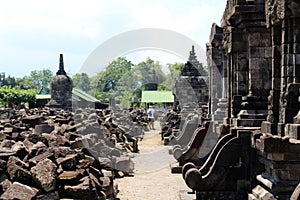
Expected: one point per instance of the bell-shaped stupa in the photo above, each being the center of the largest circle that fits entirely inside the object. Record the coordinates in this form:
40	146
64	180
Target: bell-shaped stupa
61	88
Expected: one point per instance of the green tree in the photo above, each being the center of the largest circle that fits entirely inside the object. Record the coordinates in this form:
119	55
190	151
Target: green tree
25	83
107	80
149	74
81	81
127	89
8	81
41	78
175	70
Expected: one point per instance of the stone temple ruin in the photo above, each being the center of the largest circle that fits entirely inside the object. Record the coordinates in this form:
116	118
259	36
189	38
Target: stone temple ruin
61	88
247	145
190	88
254	74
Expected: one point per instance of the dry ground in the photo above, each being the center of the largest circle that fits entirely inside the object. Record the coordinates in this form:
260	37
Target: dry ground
152	179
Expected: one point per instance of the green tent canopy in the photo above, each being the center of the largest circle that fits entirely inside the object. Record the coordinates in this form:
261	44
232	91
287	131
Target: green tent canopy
157	97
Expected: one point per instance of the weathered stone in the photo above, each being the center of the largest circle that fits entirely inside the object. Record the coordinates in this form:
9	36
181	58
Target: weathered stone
68	163
43	128
6	154
44	173
260	193
72	136
50	164
7	144
34	138
19	191
274	144
4	183
79	143
80	191
62	141
124	164
72	175
32	120
105	162
49	196
296	193
62	151
20	149
33	161
97	173
86	162
8	130
105	182
17	171
2	166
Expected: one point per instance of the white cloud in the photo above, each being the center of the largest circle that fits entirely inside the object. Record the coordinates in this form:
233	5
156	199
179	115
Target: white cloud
190	20
76	27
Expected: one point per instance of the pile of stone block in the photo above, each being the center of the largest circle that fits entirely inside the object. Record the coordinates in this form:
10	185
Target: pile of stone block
133	122
54	154
170	124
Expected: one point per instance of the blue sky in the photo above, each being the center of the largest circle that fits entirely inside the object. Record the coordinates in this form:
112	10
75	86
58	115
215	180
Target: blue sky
34	33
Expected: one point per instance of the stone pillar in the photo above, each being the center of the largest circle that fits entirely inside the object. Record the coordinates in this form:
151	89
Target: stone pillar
214	60
237	70
280	154
289	87
217	68
249	58
274	24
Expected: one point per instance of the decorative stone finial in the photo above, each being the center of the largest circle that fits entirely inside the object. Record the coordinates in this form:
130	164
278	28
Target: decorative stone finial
61	70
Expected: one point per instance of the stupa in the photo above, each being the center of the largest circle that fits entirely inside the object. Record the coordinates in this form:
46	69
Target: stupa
61	88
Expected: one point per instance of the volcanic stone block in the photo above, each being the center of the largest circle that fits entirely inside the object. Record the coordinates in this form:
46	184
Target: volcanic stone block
20	149
4	184
20	192
36	149
6	154
81	191
44	173
97	173
79	143
72	175
296	193
48	196
273	144
8	130
105	162
86	162
123	164
17	171
43	128
68	163
32	120
62	151
40	157
34	138
293	130
2	166
260	193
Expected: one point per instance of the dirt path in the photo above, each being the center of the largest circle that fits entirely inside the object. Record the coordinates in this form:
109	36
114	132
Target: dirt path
152	179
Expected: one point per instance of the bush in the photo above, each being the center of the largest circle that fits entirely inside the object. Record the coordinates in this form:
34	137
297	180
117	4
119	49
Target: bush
14	96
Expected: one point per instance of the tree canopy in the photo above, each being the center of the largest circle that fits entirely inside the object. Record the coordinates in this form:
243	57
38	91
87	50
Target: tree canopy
121	80
81	81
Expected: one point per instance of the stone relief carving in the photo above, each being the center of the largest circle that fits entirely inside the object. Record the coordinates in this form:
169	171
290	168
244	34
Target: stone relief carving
274	12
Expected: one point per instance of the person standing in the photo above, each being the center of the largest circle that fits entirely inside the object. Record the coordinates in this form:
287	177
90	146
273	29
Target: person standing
150	114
